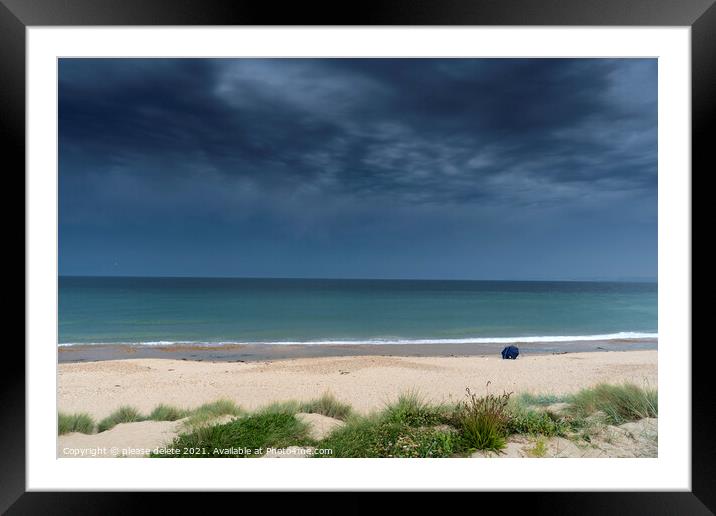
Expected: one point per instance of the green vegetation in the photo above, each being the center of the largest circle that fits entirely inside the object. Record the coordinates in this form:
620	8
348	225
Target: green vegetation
536	422
484	420
412	410
281	407
242	437
377	437
411	427
166	413
208	412
408	427
327	405
540	448
67	423
618	403
124	414
200	416
539	400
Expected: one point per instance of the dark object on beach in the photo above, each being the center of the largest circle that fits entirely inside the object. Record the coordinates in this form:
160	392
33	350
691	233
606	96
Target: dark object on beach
510	353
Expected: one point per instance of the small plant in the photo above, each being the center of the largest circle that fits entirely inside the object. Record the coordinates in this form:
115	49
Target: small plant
585	427
67	423
329	406
124	414
167	413
484	420
540	448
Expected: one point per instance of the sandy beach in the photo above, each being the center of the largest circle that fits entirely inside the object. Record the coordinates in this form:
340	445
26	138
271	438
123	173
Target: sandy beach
366	382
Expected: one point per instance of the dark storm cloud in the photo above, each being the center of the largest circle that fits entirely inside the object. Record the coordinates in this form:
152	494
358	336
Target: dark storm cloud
409	130
327	153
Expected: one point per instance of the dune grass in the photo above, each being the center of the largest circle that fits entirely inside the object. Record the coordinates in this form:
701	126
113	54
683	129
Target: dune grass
524	420
197	417
124	414
80	422
254	432
409	427
375	436
539	400
327	405
411	409
618	403
207	412
356	438
291	407
167	413
484	420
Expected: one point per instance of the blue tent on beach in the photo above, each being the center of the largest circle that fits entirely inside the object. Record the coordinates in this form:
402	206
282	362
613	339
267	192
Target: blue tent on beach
510	353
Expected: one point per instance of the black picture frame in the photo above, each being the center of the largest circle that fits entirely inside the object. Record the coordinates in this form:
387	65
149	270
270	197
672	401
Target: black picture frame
17	15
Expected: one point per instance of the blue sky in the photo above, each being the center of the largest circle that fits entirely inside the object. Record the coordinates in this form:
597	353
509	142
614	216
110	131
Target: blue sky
359	168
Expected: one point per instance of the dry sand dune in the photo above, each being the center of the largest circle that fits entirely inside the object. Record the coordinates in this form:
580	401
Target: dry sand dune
366	382
125	439
630	440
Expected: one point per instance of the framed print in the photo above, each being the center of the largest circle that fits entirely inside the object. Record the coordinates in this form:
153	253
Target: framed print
441	248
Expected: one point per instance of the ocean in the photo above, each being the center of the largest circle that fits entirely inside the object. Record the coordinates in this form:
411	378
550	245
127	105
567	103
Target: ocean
160	311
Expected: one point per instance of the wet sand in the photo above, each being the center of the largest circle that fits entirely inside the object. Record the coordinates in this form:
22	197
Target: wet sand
262	352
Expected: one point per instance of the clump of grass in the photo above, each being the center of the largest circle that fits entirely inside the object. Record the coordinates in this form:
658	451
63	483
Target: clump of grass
619	403
329	406
409	427
539	400
67	423
484	420
255	432
400	441
376	436
124	414
210	411
585	427
167	413
411	410
536	422
355	439
290	407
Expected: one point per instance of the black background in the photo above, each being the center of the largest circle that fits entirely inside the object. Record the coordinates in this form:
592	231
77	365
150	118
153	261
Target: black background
16	15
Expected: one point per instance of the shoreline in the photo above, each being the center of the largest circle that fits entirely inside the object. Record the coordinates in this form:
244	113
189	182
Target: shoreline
367	382
264	352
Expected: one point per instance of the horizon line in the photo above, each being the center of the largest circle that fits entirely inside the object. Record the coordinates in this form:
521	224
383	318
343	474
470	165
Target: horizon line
627	280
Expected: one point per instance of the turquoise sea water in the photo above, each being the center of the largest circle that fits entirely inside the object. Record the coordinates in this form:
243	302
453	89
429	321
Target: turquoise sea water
229	310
